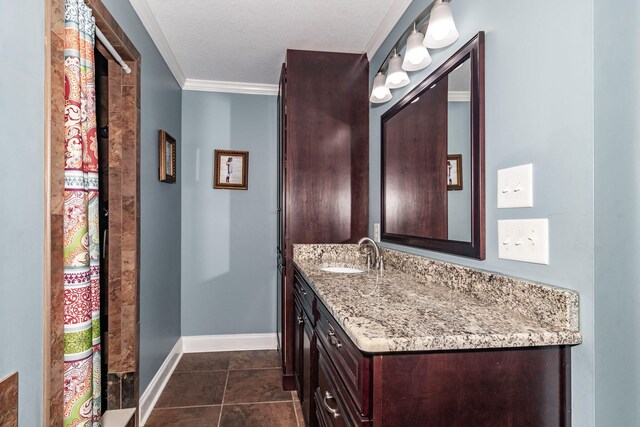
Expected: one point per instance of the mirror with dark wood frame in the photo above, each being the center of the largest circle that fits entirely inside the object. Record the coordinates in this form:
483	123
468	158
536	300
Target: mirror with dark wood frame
433	159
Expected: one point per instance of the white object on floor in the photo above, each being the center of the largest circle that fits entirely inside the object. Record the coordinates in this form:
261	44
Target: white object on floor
117	417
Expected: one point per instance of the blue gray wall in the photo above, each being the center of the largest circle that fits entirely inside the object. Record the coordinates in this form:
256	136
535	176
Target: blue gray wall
22	194
459	142
159	202
617	213
539	109
228	236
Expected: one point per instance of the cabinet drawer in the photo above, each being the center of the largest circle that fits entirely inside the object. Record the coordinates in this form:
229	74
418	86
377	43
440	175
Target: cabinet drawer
352	366
334	406
306	295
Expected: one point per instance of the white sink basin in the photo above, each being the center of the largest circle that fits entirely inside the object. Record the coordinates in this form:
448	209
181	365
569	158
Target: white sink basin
342	270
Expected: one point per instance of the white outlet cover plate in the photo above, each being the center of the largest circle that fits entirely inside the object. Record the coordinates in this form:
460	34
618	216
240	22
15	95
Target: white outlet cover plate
376	231
524	240
515	187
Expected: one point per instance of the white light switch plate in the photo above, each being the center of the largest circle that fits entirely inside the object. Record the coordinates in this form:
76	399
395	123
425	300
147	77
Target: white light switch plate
515	187
376	232
524	240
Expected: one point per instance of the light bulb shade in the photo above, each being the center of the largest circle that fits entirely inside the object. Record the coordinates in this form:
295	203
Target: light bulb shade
380	93
442	30
396	76
417	56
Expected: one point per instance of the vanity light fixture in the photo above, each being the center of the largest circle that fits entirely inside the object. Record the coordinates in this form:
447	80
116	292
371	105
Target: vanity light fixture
380	93
396	76
416	57
442	30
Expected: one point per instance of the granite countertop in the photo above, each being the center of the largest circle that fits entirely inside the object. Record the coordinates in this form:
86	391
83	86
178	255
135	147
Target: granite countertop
418	304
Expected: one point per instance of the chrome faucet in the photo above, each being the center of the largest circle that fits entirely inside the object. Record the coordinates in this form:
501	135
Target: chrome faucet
378	262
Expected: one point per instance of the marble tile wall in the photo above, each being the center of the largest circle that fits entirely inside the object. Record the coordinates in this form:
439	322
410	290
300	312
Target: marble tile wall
124	220
122	390
9	401
54	188
124	216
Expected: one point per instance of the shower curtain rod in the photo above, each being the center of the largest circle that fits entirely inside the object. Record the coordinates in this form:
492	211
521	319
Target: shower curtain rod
112	51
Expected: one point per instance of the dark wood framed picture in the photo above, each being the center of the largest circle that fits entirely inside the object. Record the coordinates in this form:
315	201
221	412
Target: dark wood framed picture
231	170
167	157
454	172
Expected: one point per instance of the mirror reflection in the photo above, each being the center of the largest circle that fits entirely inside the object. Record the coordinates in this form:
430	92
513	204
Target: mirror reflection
459	153
427	162
433	159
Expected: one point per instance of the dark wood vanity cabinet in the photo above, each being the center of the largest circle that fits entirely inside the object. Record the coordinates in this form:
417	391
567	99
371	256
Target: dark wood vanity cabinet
513	387
304	354
323	167
334	407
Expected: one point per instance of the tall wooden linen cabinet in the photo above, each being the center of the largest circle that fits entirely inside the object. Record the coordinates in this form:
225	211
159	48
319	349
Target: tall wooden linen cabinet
323	166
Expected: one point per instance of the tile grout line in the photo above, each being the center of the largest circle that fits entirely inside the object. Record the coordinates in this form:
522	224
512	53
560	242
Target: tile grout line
171	408
224	392
266	402
228	369
295	411
255	369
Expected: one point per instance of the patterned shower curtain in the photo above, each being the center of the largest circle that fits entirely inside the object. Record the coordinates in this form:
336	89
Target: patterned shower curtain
81	233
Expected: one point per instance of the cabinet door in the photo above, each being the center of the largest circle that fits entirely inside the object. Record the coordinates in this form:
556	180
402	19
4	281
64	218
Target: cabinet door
282	137
279	304
334	405
308	367
329	410
298	337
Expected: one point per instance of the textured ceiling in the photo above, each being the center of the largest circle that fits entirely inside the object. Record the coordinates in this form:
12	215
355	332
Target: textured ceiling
246	40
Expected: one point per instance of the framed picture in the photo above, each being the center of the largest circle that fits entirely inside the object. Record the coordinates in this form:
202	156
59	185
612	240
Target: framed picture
231	169
454	172
167	157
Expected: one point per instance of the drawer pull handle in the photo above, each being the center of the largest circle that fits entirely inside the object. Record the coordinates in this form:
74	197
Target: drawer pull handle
300	320
329	409
333	340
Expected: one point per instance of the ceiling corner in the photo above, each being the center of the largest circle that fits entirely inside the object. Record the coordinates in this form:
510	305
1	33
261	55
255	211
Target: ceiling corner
389	21
149	22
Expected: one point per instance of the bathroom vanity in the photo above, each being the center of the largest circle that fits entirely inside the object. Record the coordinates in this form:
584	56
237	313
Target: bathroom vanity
428	343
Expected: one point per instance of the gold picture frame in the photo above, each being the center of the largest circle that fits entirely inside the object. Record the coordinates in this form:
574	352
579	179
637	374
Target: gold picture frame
231	170
454	172
167	157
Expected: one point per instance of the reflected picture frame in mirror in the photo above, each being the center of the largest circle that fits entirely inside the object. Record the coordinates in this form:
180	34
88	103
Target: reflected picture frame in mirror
438	240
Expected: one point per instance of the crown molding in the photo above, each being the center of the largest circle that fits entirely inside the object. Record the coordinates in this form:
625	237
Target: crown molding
149	22
230	87
389	21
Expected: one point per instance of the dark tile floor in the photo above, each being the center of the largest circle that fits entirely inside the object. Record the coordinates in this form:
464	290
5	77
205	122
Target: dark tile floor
227	389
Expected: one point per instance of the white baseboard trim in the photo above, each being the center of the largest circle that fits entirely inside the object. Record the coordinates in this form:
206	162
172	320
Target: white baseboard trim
209	343
154	389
